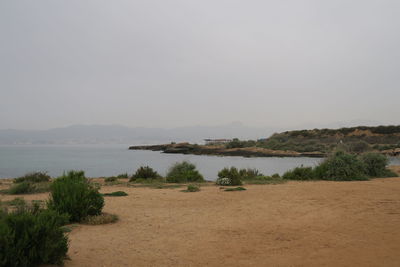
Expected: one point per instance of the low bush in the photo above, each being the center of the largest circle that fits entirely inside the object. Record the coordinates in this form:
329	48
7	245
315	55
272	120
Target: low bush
123	175
21	188
239	188
375	165
145	173
34	177
28	188
32	237
300	173
115	194
16	202
73	194
247	174
148	181
275	176
341	167
223	181
230	176
183	172
110	179
265	180
193	188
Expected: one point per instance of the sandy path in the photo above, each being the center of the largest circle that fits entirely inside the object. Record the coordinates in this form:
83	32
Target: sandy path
292	224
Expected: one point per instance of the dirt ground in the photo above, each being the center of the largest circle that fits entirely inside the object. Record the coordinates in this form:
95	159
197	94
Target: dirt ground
292	224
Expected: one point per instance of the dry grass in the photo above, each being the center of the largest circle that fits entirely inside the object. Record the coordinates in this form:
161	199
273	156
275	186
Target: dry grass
104	218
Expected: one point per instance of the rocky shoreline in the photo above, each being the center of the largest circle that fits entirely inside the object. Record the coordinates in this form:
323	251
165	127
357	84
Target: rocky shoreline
219	150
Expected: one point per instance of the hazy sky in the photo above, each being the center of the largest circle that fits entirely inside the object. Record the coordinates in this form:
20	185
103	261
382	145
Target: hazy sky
177	63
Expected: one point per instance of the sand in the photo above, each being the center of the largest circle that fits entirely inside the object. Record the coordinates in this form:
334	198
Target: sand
292	224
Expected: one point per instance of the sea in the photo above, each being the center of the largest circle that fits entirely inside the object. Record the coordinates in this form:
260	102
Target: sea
111	160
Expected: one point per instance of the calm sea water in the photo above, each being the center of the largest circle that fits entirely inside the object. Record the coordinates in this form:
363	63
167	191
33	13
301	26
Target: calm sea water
108	160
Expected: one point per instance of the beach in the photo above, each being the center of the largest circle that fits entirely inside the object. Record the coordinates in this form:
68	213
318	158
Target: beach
292	224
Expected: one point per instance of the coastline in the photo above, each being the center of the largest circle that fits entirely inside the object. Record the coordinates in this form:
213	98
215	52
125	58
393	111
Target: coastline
219	150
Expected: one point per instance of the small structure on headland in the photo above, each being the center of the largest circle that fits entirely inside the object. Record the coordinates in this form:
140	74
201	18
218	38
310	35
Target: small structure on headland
217	141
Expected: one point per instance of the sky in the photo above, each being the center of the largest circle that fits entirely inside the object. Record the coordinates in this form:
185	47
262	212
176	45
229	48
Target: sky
148	63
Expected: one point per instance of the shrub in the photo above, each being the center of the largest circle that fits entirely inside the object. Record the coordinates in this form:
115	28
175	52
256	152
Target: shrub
21	188
193	188
265	180
123	175
32	238
73	194
223	181
110	179
341	167
184	172
34	177
149	181
246	174
275	176
299	173
16	202
239	188
115	194
375	165
232	174
145	173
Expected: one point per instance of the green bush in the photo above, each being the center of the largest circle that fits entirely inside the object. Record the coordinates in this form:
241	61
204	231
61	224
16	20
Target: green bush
193	188
148	181
115	194
300	173
28	188
123	175
229	173
21	188
247	174
341	167
265	180
73	194
32	238
145	173
34	177
184	172
276	176
239	188
375	165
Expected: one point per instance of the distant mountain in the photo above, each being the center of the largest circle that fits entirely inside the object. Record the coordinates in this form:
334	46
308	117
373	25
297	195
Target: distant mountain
116	134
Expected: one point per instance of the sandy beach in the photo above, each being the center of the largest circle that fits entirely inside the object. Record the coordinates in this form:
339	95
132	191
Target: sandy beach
292	224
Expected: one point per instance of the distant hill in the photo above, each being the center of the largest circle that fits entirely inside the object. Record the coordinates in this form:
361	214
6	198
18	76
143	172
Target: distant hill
116	134
353	139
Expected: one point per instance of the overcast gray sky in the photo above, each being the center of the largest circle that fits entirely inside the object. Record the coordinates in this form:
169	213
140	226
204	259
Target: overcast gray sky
178	63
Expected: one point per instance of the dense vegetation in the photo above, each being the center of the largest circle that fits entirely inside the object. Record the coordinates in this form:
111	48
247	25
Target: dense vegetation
342	166
233	176
33	177
30	236
353	140
184	172
74	195
229	176
193	188
145	172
